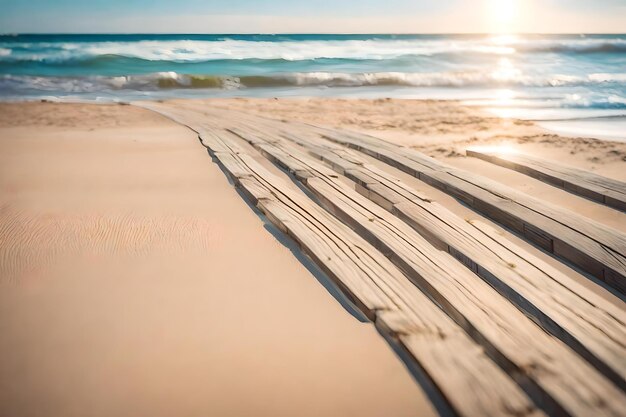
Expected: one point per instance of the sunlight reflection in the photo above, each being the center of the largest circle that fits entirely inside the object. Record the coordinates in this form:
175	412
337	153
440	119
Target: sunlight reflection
504	112
504	98
506	71
504	40
497	49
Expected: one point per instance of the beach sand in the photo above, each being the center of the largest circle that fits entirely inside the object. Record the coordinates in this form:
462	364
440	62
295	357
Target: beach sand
134	280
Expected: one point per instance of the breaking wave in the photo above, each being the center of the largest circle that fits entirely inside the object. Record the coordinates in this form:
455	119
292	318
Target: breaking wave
173	80
580	70
235	49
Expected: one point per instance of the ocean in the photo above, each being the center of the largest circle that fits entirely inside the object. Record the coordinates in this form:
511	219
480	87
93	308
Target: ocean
551	78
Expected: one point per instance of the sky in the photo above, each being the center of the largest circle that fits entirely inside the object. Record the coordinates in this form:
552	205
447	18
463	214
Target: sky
312	16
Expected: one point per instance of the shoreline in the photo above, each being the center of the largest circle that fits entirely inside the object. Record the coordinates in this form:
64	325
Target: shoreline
602	125
602	128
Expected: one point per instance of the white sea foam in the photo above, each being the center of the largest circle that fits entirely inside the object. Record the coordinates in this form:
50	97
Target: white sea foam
198	51
447	79
375	49
605	78
170	80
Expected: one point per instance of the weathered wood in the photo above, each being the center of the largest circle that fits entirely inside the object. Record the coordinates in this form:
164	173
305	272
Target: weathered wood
589	245
463	375
587	184
512	339
594	328
589	325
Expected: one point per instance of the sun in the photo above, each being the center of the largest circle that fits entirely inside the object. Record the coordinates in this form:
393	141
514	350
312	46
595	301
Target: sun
503	10
502	13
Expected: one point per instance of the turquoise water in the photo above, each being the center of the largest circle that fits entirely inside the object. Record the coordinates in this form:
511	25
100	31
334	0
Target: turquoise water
537	76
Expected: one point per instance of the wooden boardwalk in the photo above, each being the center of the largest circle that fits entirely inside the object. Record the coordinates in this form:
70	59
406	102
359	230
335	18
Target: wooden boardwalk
463	326
587	184
591	246
555	301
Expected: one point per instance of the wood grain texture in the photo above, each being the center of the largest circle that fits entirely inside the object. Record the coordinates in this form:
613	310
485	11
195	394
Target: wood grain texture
595	187
579	317
464	378
514	341
589	245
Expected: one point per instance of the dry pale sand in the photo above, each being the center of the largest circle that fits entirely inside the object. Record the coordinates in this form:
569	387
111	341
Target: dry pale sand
135	281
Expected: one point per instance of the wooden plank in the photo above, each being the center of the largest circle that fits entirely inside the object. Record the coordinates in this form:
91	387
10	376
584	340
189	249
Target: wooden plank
589	245
513	339
569	311
464	378
587	252
587	184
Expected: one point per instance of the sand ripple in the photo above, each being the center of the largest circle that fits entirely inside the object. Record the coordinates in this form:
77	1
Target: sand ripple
30	242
